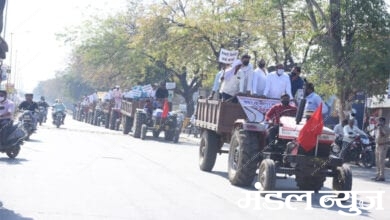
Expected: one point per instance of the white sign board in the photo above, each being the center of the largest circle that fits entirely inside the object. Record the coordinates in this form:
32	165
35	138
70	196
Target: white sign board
256	108
227	56
170	85
148	88
136	93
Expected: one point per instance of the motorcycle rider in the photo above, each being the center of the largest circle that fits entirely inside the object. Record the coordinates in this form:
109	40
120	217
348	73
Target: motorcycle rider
350	133
44	104
7	108
30	105
274	114
339	131
58	106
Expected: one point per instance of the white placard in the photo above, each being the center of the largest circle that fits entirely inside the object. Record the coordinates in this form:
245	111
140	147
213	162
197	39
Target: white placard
170	85
227	56
136	93
147	88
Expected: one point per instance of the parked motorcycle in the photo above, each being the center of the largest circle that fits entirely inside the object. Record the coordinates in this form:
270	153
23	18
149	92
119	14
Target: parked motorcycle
14	139
42	115
360	151
27	120
58	118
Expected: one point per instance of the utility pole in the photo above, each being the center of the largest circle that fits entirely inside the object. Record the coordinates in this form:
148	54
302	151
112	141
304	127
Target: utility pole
5	18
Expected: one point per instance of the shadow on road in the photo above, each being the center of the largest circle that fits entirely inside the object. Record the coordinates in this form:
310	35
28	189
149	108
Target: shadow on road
11	215
16	161
182	141
221	174
33	141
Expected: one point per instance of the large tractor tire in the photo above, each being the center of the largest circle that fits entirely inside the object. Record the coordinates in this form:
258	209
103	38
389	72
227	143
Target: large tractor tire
342	181
140	119
156	133
267	175
244	155
107	120
144	130
169	135
113	120
126	124
209	145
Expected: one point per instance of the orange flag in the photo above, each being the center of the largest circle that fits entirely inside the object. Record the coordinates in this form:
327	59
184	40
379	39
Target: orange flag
165	109
307	137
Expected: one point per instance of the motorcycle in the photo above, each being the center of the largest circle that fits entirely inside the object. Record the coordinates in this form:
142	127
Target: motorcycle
360	150
28	122
42	115
14	139
58	118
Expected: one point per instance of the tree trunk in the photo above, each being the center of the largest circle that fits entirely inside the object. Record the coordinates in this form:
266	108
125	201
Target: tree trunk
337	53
190	106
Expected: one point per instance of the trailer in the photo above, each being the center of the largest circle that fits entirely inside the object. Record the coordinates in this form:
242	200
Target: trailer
128	110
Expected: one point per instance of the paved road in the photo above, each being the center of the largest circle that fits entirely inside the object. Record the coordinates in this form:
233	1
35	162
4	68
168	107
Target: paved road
85	172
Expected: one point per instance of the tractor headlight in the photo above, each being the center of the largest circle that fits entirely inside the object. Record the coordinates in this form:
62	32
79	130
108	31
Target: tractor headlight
335	148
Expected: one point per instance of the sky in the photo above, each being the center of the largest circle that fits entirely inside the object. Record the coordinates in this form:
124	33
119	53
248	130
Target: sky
36	53
31	35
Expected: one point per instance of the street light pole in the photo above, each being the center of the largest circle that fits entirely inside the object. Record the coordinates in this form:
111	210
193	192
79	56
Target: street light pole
5	18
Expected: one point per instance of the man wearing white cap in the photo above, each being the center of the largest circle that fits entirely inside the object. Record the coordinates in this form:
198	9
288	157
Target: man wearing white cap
117	95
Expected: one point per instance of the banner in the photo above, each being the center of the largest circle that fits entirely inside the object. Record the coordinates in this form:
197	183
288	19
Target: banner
256	108
148	88
170	85
227	56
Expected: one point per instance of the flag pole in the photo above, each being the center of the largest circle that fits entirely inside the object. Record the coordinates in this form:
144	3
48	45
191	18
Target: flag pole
316	147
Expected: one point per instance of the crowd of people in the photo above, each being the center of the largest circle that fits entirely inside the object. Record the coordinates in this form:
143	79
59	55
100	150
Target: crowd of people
346	132
8	108
241	78
115	95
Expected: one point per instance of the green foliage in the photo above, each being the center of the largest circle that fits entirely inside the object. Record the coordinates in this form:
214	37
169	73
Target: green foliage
180	40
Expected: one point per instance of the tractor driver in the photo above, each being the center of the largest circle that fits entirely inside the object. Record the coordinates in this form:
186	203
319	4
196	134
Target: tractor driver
275	112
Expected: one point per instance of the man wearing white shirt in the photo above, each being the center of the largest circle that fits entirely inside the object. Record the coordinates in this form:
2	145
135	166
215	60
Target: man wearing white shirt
313	100
277	83
245	75
259	79
230	82
217	82
350	133
339	128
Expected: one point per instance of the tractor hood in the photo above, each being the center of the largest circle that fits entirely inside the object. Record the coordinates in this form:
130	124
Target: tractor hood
290	130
